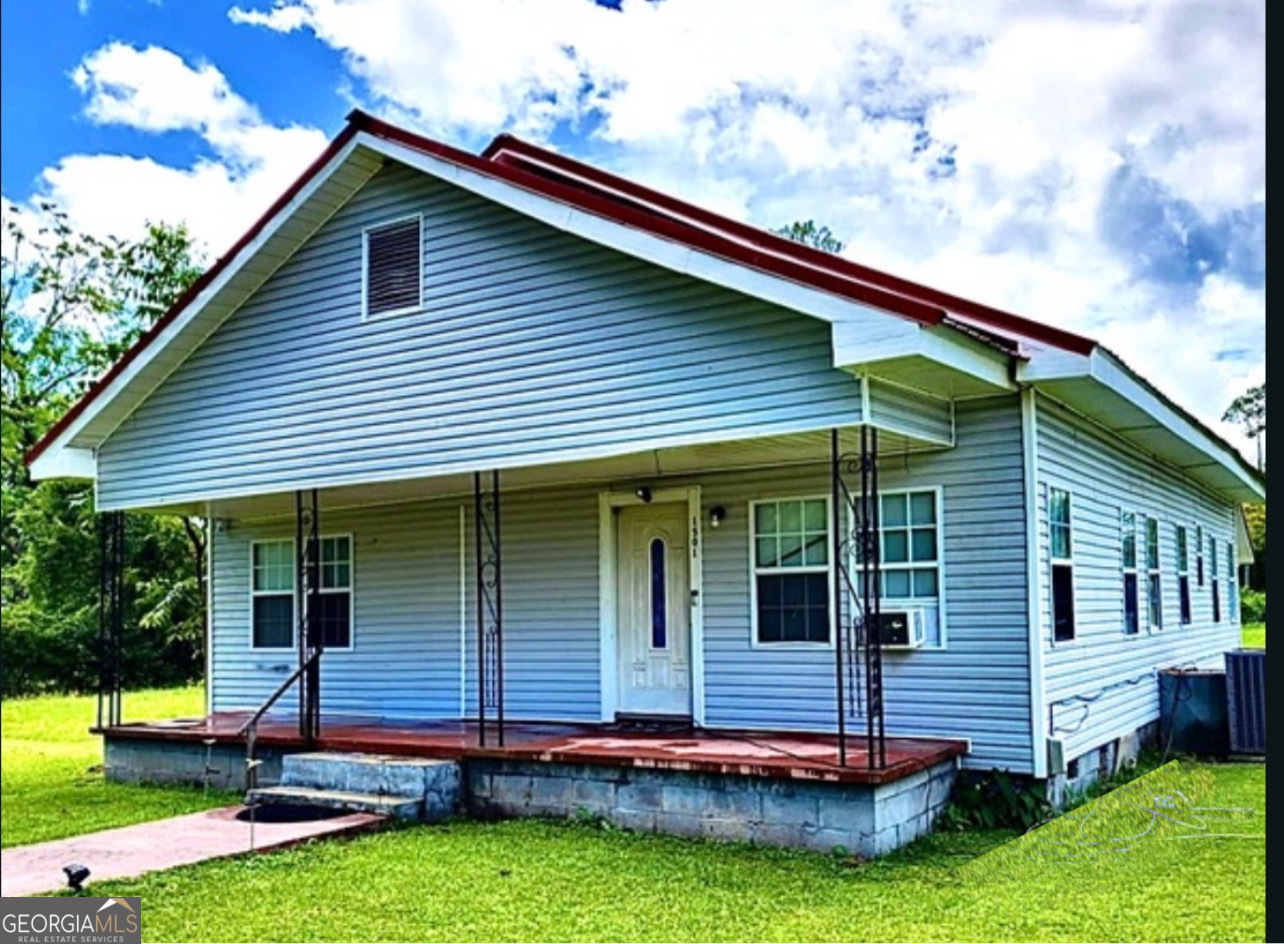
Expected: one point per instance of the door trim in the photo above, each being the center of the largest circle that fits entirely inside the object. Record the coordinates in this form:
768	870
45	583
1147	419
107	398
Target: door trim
608	569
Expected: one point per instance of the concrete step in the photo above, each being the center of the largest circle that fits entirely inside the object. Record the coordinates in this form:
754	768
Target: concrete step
435	783
402	807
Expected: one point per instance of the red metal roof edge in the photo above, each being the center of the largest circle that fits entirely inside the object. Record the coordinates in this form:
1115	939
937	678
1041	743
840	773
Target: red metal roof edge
505	145
147	337
611	207
767	253
358	121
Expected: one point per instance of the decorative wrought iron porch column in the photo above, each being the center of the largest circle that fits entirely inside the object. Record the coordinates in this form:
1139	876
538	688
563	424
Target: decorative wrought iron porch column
837	505
111	615
857	578
488	551
307	584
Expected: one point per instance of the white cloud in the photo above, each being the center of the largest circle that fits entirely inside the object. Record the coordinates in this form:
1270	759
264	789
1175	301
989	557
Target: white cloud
154	91
972	146
1091	164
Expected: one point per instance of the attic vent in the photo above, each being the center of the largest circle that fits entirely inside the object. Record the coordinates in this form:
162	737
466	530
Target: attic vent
393	267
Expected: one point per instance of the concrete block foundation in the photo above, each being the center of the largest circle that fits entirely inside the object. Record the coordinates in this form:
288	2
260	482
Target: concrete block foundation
819	815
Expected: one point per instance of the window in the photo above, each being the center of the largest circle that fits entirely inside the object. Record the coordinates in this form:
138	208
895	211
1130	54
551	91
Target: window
272	594
1232	583
1154	583
1062	565
791	571
336	592
909	527
1183	574
659	595
1128	538
1199	554
393	267
1213	575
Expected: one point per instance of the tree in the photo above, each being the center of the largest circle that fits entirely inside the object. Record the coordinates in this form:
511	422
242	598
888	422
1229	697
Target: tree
1249	411
809	234
71	304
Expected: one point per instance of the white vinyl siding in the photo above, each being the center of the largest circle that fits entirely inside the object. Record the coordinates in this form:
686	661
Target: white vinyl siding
1110	478
532	347
413	606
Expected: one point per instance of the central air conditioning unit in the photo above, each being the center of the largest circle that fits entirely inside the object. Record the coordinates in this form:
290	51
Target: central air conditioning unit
899	629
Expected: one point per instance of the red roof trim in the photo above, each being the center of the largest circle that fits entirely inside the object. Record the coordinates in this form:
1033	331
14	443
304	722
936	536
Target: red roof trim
640	217
506	149
626	203
213	272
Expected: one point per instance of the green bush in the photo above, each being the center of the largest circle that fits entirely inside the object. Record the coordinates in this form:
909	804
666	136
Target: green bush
1252	606
994	799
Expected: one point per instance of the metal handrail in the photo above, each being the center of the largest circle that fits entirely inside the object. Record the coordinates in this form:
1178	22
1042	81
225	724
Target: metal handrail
276	695
250	729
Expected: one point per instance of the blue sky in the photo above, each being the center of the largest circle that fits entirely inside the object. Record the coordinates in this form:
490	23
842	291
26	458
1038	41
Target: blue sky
1099	165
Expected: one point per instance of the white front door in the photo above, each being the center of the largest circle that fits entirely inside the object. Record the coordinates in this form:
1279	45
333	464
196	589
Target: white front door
654	616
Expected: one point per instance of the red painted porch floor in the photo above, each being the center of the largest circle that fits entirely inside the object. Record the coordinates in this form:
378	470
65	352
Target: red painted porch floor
750	753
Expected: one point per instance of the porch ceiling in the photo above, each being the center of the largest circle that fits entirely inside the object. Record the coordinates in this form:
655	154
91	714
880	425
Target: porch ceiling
769	452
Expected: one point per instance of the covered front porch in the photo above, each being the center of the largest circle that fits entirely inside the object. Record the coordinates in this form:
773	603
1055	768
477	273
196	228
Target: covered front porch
770	787
470	597
503	597
788	755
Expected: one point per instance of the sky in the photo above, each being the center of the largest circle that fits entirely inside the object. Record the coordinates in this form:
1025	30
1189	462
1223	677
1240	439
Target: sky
1092	164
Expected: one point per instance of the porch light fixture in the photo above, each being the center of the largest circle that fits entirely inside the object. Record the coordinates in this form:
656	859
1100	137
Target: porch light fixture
716	515
644	494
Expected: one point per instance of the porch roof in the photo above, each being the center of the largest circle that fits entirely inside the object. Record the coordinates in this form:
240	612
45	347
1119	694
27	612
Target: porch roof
619	471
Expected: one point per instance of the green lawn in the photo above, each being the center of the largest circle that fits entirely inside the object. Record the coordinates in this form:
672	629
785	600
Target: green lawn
542	881
1254	635
50	766
528	880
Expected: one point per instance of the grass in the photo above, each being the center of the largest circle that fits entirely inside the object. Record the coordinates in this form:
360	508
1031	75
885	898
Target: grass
532	880
50	768
1254	635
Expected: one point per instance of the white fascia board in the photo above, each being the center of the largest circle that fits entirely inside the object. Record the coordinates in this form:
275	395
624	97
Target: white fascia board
1104	368
854	346
676	257
66	462
185	318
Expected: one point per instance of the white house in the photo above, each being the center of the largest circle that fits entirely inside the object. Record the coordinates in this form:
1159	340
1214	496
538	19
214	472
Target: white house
661	413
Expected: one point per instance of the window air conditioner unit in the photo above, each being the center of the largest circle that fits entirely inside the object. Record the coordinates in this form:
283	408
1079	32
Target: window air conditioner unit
899	629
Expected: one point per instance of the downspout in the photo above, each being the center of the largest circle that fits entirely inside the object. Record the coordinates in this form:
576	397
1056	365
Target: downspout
1030	468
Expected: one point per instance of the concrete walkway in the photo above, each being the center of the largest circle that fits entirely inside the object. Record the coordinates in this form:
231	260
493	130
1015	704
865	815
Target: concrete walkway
131	851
